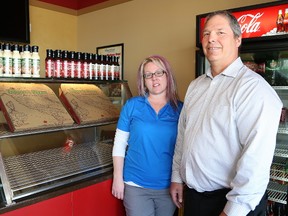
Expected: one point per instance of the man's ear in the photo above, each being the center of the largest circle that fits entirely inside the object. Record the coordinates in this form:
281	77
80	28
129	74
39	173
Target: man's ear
239	41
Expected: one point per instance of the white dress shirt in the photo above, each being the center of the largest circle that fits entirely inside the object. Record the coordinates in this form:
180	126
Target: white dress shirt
227	136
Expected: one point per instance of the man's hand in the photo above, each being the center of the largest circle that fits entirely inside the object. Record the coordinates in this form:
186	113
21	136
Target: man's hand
176	191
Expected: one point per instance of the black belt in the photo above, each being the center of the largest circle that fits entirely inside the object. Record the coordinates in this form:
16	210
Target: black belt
215	193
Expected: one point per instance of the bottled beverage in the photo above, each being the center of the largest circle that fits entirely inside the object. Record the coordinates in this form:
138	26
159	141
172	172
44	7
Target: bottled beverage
283	210
90	66
7	60
35	60
279	209
78	68
101	67
270	208
20	47
57	63
280	22
49	63
71	65
84	66
285	21
117	69
96	67
64	72
16	61
26	61
1	59
107	67
113	65
283	117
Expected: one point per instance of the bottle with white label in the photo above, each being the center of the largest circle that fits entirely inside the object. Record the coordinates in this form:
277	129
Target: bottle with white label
16	61
7	60
26	61
35	61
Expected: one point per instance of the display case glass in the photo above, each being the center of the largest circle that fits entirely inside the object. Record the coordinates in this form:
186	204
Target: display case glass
34	162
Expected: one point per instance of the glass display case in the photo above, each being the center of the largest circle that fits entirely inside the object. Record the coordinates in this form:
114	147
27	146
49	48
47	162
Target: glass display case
37	161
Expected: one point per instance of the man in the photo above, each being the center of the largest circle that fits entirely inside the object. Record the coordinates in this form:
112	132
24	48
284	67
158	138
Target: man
226	132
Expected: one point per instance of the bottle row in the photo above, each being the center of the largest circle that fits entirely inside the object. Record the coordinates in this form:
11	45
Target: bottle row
19	61
274	71
78	65
282	21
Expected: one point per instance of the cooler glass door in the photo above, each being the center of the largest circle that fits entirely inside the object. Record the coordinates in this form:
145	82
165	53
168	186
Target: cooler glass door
273	66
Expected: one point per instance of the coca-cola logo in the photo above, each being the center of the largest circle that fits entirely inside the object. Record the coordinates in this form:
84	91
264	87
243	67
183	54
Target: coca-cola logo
249	24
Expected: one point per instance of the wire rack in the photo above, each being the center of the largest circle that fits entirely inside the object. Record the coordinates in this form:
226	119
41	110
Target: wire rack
277	192
39	171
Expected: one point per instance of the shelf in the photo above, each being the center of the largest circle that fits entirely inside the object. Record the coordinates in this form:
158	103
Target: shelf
282	130
4	133
31	173
277	172
55	80
280	87
277	192
281	152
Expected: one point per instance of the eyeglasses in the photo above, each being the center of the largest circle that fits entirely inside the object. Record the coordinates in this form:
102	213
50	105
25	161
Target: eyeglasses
157	74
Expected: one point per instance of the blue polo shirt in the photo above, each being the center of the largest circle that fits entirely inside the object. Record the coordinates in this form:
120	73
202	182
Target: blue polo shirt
148	161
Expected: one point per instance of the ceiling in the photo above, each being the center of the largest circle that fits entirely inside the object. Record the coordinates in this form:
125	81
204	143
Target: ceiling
75	7
74	4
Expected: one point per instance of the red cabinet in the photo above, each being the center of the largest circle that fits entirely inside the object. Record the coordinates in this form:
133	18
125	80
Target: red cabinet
97	199
89	201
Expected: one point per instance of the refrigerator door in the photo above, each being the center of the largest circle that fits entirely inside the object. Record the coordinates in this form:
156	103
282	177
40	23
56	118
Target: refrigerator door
272	64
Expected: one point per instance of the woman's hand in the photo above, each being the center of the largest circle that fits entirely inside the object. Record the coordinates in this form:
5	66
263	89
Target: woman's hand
118	188
118	182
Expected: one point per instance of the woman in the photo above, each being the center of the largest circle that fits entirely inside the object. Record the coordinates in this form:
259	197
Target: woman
147	129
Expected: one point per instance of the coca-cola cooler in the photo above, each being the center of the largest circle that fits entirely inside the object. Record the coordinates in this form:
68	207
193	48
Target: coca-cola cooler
264	49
